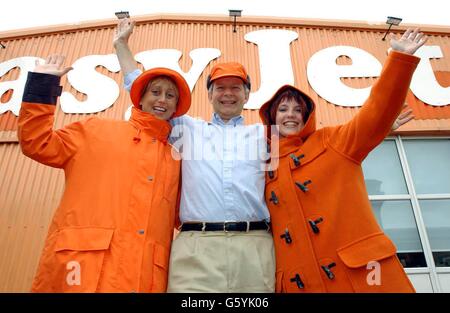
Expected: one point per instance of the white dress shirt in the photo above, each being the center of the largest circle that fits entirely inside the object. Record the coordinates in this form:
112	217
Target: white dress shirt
223	175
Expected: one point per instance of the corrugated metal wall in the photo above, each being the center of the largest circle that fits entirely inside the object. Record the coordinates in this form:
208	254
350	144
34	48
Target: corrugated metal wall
29	192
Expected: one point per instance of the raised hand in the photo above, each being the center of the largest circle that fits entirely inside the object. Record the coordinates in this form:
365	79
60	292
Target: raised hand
123	31
53	65
411	40
403	118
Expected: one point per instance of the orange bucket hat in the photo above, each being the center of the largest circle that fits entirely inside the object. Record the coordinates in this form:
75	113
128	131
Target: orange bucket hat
140	84
230	69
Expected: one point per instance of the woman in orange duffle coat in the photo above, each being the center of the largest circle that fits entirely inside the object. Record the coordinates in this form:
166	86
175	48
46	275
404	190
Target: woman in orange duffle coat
325	235
113	228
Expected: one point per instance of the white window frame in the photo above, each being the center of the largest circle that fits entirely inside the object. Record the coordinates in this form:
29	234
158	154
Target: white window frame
412	196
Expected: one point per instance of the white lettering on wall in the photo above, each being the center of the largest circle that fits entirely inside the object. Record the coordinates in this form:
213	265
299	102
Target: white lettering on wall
25	64
324	74
424	84
275	66
169	58
101	90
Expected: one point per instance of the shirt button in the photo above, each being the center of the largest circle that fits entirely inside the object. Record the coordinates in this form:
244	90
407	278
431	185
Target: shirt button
141	231
150	178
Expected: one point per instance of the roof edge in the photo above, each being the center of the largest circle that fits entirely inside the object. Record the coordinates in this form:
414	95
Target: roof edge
259	20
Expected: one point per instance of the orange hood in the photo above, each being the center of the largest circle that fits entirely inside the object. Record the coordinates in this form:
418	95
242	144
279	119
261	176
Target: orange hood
310	123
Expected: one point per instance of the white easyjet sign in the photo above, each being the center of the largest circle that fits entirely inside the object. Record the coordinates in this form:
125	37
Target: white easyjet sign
324	74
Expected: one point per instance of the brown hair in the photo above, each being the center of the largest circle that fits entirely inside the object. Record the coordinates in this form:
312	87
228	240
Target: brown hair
289	94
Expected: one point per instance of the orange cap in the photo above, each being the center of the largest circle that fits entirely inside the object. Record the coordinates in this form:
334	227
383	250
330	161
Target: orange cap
230	69
140	84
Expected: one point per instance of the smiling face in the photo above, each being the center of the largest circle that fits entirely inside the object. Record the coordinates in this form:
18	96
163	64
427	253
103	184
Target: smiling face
289	117
228	96
160	98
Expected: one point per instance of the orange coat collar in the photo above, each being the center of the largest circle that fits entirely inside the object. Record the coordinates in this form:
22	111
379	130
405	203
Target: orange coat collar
149	124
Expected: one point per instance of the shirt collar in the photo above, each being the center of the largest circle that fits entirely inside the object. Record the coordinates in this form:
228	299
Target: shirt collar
237	120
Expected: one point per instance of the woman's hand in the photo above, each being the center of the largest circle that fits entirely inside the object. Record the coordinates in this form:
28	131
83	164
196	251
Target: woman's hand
403	118
411	40
53	65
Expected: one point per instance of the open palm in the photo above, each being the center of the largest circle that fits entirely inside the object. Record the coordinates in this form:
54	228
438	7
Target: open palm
53	65
411	40
124	30
403	118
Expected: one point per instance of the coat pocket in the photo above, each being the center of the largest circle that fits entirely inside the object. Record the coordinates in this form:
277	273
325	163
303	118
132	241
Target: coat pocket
368	261
77	259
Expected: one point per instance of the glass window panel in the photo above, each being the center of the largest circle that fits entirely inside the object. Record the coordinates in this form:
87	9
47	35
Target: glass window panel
383	173
429	161
436	215
396	218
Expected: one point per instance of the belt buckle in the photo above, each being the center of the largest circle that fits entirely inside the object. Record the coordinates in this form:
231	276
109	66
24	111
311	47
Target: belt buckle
225	225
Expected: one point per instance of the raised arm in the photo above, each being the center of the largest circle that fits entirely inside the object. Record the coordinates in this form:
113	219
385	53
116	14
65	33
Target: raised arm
121	36
35	124
375	119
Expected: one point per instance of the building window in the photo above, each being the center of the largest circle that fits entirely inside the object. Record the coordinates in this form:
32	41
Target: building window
391	204
429	162
408	181
436	215
396	218
383	173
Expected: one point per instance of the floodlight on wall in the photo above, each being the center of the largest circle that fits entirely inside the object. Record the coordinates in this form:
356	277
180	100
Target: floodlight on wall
391	21
234	14
122	14
2	46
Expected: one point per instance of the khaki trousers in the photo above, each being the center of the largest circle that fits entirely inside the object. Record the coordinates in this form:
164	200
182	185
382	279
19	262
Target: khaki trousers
220	261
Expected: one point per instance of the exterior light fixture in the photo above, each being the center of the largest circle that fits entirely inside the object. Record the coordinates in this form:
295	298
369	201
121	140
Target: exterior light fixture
122	14
234	14
391	21
2	46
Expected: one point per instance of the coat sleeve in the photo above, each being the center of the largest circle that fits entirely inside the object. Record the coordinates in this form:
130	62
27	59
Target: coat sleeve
177	223
37	138
373	122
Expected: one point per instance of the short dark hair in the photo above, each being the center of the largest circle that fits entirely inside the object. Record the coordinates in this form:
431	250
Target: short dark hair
289	94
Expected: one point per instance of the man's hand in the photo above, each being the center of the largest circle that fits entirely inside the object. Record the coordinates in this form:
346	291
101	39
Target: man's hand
123	31
403	118
411	40
53	65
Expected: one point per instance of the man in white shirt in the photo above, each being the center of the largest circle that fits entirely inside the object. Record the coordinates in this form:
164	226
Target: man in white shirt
224	244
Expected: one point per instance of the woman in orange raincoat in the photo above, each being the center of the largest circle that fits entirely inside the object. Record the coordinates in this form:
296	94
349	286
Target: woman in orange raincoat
113	228
325	235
